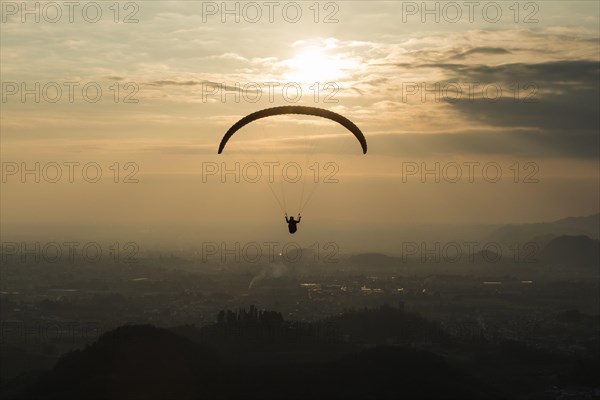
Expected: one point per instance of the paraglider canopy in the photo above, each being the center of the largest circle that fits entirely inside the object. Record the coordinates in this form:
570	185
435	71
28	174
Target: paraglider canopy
318	112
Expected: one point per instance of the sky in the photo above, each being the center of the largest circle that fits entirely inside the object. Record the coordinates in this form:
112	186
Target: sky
483	115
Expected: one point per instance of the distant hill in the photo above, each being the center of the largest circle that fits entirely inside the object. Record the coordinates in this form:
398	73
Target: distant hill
572	251
130	362
145	362
543	232
386	353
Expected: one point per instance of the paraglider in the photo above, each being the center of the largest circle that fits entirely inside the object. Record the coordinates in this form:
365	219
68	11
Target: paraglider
302	110
292	223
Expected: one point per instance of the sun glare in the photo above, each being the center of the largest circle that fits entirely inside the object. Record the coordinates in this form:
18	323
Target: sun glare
315	65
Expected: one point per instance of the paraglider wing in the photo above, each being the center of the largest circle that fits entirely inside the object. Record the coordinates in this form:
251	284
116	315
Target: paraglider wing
319	112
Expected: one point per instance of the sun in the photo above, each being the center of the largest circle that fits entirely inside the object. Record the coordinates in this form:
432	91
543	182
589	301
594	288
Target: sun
314	64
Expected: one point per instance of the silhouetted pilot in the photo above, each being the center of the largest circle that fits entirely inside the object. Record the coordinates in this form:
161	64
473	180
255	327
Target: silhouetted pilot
292	223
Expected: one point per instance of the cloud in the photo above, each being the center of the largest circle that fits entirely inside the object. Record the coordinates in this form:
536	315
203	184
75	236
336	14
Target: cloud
482	50
515	142
546	109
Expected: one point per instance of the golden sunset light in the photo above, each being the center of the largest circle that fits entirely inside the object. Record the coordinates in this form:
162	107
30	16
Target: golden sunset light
299	199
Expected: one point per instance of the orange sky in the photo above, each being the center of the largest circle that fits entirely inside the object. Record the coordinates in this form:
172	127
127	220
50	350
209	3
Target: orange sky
425	93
